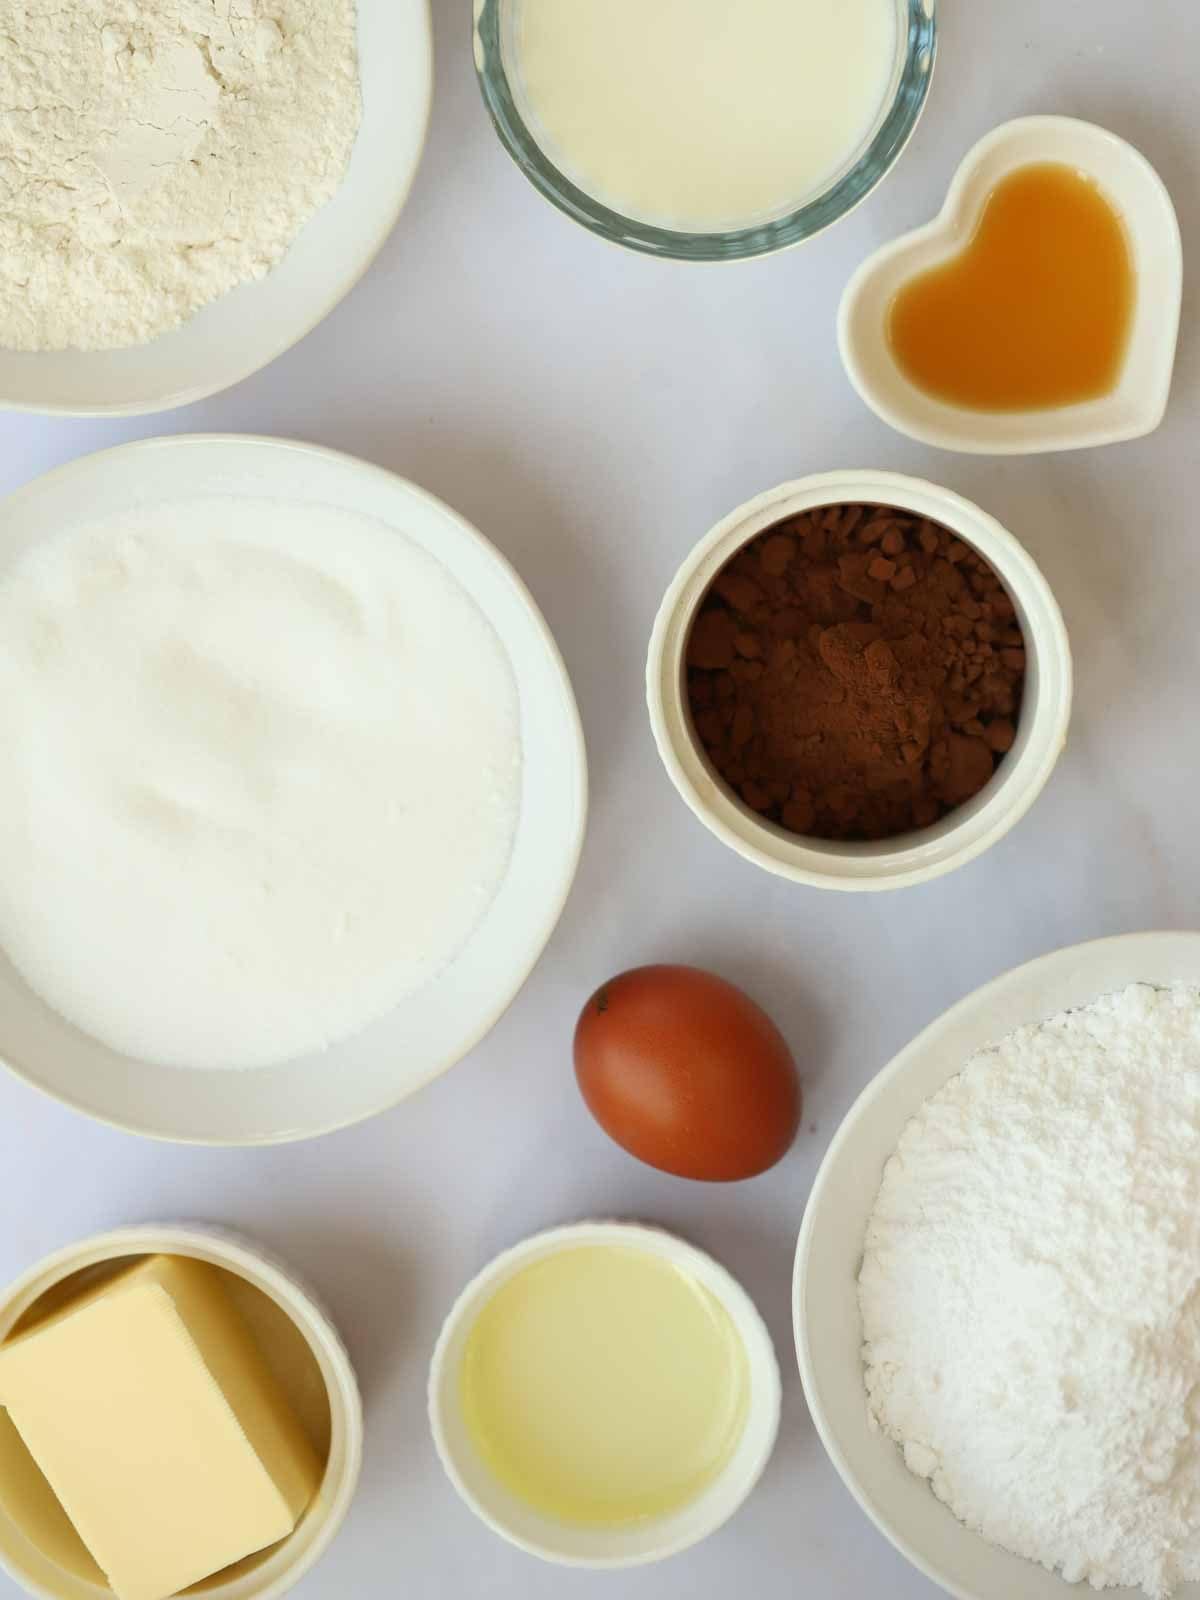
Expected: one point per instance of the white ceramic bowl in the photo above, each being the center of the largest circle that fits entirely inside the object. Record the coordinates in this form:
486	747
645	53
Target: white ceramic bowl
555	1541
38	1548
911	858
437	1025
1137	404
825	1290
244	330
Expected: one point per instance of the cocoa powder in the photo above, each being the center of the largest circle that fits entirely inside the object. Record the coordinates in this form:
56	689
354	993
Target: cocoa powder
856	672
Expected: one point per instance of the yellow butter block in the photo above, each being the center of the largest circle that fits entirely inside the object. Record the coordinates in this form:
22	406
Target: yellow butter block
150	1410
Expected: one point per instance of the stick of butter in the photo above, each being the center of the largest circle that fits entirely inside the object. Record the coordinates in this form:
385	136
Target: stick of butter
150	1410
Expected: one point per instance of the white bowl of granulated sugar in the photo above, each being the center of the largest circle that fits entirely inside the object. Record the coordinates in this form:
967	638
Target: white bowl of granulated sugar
207	191
998	1333
296	787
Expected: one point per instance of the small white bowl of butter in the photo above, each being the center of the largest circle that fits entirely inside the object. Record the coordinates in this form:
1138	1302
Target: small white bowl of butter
307	1363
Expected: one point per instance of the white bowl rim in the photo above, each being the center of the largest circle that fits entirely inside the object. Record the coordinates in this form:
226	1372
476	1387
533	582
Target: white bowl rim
766	1381
807	862
967	432
579	749
225	1247
191	393
1149	942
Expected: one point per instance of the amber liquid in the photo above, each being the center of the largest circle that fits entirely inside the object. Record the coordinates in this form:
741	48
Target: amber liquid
1035	312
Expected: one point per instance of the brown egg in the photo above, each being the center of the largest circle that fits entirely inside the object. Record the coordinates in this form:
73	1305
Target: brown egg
686	1073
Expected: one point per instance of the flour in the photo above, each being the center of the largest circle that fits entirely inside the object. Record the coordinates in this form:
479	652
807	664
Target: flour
154	154
262	776
1030	1292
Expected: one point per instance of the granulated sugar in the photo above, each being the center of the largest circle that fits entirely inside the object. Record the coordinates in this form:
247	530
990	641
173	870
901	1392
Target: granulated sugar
262	776
1030	1292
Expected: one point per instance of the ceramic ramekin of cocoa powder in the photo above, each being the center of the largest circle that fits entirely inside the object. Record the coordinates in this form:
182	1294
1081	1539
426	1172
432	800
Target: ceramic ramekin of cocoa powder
859	681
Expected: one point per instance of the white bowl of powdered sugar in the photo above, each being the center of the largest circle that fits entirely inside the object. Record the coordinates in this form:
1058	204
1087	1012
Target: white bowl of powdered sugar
295	787
997	1286
189	188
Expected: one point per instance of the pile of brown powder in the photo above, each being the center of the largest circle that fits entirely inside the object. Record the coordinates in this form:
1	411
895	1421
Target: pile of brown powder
856	672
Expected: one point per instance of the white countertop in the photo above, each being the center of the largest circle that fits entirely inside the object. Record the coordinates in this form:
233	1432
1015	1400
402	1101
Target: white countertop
594	412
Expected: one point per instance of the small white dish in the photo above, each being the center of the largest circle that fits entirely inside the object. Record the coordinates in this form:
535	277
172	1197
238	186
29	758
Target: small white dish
244	330
1135	407
643	1542
911	858
438	1024
825	1286
39	1549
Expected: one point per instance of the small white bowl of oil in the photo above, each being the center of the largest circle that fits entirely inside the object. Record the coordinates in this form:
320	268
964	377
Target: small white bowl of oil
1038	311
40	1549
604	1395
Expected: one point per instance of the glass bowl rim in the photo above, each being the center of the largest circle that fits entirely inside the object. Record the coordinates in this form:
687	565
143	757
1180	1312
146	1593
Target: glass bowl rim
850	188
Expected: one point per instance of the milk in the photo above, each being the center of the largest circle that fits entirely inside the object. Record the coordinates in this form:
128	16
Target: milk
703	115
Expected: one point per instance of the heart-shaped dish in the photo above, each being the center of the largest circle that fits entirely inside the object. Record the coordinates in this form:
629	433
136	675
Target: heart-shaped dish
1137	403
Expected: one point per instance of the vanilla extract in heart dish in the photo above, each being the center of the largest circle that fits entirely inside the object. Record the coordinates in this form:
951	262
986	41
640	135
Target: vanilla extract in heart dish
1035	312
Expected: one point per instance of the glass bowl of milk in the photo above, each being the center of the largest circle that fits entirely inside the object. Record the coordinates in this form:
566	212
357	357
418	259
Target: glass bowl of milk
705	130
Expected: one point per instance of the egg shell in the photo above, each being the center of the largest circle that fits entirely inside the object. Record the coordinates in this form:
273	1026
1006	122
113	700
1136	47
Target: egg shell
688	1074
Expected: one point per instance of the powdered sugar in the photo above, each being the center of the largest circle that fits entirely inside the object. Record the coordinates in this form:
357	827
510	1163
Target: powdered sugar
1030	1292
156	153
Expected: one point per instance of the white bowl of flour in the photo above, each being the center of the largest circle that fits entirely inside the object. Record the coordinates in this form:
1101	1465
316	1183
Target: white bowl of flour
297	788
1023	1281
210	186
